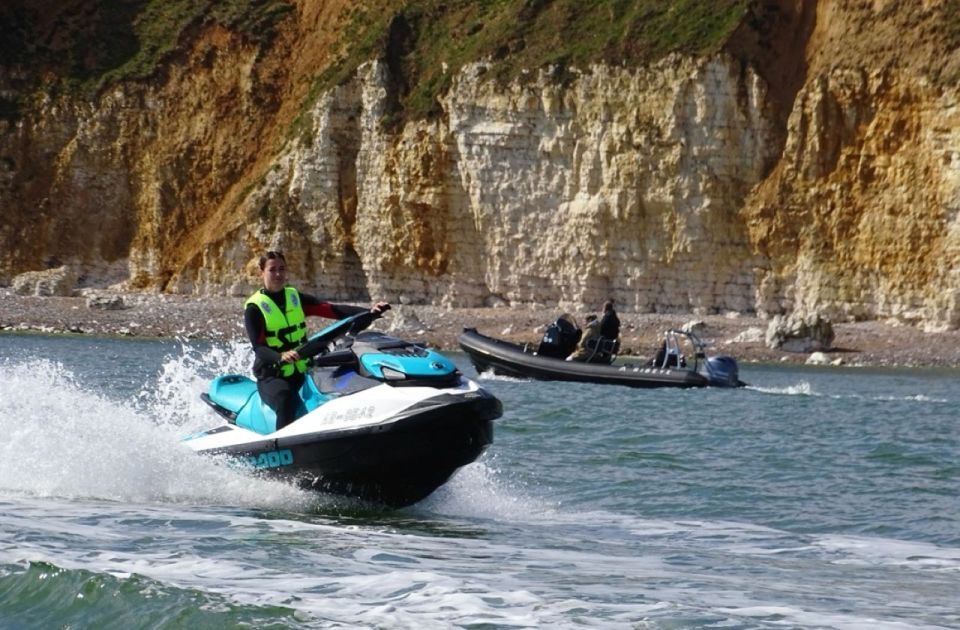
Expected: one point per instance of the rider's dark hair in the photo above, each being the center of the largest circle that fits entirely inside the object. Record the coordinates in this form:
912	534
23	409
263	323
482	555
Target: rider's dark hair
271	255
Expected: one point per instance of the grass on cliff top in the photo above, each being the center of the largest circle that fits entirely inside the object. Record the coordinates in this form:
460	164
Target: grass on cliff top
90	44
427	41
161	24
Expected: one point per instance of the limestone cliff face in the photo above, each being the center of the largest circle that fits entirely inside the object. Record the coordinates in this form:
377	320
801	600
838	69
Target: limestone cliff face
623	184
811	167
860	218
862	222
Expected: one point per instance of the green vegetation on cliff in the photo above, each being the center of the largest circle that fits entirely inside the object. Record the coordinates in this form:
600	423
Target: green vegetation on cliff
426	42
91	44
87	45
83	46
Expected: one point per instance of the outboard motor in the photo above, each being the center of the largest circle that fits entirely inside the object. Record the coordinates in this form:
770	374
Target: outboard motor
560	338
722	371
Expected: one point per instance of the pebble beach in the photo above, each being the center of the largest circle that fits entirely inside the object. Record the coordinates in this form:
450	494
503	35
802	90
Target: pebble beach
869	344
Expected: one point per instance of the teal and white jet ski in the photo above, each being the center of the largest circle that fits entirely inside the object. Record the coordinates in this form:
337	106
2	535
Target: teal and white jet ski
382	419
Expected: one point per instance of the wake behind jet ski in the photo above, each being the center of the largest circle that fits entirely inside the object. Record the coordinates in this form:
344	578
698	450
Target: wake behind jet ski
383	419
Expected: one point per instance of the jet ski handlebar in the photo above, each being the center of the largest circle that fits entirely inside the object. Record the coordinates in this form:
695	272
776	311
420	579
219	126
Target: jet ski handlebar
333	359
319	343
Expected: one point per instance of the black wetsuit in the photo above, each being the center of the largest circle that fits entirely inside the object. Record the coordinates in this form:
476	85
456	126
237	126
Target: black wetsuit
282	394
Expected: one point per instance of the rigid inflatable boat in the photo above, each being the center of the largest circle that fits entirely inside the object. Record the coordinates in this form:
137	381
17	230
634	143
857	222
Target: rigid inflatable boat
671	367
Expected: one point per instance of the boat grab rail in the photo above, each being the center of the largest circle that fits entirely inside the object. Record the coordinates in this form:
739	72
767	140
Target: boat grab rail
672	348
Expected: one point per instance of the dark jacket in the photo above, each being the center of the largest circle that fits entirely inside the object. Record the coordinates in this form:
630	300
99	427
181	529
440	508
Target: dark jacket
610	325
266	357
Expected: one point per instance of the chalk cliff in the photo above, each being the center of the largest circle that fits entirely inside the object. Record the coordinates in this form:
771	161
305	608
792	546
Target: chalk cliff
811	165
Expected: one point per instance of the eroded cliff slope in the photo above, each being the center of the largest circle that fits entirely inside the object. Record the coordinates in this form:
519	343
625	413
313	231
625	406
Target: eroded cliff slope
808	163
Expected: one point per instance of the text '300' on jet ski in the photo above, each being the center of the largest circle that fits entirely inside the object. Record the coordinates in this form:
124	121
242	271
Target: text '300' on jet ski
382	419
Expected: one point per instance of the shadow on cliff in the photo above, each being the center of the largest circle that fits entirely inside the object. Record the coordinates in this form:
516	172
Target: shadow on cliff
773	39
72	40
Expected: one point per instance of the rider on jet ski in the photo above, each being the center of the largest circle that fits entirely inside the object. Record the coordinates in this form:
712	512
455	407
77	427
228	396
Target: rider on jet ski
274	317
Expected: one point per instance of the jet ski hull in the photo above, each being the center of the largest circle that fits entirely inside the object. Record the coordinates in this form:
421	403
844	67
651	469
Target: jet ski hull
396	464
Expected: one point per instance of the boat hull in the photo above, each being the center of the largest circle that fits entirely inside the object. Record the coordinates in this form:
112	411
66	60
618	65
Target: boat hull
395	463
509	359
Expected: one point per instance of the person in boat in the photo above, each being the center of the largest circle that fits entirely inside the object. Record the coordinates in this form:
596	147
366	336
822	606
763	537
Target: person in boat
609	322
274	318
560	338
601	347
588	342
668	357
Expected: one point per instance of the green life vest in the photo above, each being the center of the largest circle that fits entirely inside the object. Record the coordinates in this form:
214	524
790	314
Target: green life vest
285	330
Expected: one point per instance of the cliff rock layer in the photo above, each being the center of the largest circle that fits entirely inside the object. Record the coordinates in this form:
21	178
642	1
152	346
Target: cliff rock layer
809	165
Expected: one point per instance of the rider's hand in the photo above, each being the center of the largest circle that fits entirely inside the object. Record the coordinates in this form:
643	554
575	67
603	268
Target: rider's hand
290	356
380	307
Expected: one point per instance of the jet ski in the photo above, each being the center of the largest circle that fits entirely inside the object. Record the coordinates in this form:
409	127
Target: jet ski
383	419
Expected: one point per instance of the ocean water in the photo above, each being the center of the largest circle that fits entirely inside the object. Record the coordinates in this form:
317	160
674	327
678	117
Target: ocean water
814	498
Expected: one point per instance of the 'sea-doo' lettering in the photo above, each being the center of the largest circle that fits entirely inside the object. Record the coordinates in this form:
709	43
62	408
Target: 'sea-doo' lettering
270	459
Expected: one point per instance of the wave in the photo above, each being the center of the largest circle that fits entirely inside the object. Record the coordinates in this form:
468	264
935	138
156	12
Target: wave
490	375
45	595
66	440
805	388
800	389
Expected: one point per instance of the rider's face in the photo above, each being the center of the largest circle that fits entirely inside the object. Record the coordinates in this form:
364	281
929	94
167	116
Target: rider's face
274	275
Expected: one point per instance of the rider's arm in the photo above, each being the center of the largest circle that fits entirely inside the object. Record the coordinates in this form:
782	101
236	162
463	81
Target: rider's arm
257	333
318	308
